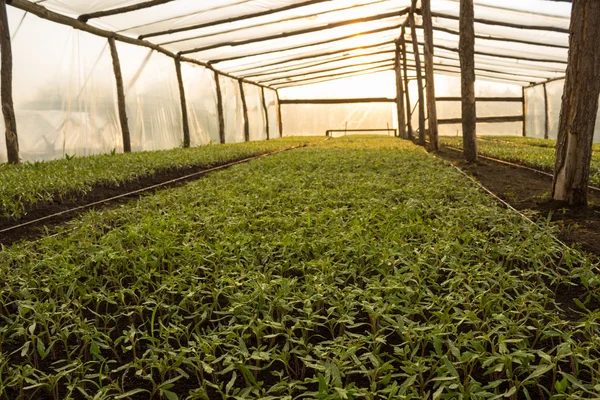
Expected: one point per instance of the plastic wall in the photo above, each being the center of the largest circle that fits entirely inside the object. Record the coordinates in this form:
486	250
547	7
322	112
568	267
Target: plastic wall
272	114
64	91
256	112
232	110
201	97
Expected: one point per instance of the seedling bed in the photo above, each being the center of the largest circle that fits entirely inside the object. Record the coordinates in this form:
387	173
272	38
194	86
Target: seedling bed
357	268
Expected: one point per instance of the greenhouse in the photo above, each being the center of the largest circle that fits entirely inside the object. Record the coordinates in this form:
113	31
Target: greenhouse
299	199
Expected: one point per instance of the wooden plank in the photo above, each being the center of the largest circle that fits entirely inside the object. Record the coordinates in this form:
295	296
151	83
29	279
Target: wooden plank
467	78
485	99
339	101
546	113
434	143
483	120
122	10
220	111
6	83
122	105
399	94
409	129
279	114
245	111
524	113
420	89
183	101
266	110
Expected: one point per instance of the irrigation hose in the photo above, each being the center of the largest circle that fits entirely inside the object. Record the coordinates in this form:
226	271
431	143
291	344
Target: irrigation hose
148	188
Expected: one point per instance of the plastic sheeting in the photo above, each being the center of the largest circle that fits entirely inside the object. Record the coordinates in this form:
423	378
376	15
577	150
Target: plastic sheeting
272	114
232	110
256	112
64	91
152	96
201	96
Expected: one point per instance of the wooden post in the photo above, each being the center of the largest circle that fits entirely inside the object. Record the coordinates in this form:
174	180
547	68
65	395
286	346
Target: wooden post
266	109
406	88
579	105
279	114
8	110
429	76
245	110
411	18
524	113
399	94
184	111
120	95
546	113
220	112
467	75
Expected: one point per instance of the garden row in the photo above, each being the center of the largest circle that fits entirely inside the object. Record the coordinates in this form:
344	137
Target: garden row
24	186
355	268
532	152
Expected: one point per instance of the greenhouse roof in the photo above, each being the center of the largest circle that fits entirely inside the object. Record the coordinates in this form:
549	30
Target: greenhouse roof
283	43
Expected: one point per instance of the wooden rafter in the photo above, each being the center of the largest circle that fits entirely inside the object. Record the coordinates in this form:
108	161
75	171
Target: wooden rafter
122	10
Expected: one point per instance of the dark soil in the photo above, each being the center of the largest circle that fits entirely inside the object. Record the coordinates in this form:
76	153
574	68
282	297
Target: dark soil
527	190
38	229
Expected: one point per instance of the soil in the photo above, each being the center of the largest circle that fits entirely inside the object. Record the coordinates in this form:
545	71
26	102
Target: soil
529	191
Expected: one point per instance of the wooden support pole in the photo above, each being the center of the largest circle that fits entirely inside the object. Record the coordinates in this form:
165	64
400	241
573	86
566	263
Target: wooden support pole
546	113
6	82
399	94
121	10
184	111
220	111
266	110
467	77
524	113
411	19
245	111
279	119
120	95
432	124
579	105
409	133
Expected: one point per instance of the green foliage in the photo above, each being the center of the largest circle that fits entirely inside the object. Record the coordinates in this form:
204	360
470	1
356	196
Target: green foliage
23	186
356	268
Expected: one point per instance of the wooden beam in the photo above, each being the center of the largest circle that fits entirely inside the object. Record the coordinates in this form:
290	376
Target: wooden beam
6	85
46	14
483	120
399	94
524	113
184	111
330	78
579	108
220	111
560	78
266	110
327	41
408	119
546	113
434	143
122	105
339	101
485	99
304	31
233	19
309	76
411	19
467	77
122	10
245	112
280	120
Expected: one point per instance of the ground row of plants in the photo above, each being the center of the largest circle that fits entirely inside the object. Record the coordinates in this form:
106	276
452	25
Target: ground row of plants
356	268
25	185
529	141
523	151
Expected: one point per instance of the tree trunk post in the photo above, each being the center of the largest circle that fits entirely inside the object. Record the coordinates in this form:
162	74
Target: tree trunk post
8	109
579	105
245	110
266	109
434	143
406	91
184	111
220	113
122	105
467	75
524	113
546	113
399	94
279	115
415	42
